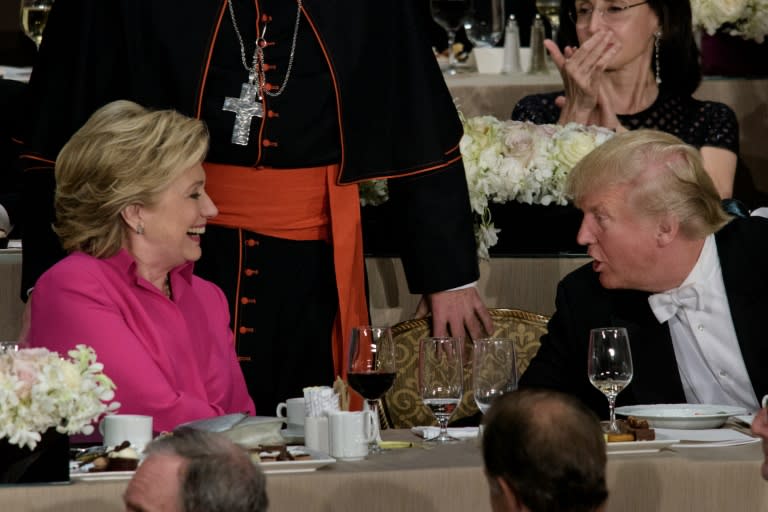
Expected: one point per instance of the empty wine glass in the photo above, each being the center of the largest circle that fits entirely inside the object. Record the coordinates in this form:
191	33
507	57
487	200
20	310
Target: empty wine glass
449	14
551	10
441	379
609	365
485	23
494	370
34	17
371	370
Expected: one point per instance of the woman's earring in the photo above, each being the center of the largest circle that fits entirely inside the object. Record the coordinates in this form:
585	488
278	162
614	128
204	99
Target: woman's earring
657	47
140	229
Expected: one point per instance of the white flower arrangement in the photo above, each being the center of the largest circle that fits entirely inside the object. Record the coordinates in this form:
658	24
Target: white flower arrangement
40	390
745	18
512	161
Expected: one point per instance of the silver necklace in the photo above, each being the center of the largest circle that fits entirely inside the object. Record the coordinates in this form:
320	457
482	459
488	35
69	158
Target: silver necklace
250	103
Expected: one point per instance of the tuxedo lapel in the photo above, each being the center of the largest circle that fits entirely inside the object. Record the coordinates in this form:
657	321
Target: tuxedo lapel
745	286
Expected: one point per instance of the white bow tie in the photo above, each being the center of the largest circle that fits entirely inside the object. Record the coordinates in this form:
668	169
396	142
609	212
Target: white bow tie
666	305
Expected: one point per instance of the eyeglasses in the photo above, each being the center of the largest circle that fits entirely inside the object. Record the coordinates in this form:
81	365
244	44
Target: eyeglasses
610	14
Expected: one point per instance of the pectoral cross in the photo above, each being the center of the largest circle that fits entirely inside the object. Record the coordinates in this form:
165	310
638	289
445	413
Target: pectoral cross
246	107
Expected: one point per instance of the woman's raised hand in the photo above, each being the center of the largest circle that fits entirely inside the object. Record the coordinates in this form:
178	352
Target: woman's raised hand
582	70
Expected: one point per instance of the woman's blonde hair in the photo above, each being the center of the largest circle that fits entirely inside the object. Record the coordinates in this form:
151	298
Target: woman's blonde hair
123	155
665	176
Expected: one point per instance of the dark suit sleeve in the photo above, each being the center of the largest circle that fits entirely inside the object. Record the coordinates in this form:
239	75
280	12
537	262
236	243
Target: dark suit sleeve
78	70
561	362
434	229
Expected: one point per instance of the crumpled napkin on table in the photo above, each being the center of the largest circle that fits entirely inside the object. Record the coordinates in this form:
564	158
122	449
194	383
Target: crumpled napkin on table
455	432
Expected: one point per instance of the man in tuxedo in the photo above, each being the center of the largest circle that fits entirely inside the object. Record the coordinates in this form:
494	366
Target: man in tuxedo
688	282
543	450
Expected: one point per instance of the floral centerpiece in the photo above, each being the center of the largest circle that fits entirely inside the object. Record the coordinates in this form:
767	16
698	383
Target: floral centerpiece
40	390
512	161
745	18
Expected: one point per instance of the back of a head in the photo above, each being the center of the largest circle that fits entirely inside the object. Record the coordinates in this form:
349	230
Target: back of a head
549	449
663	174
218	475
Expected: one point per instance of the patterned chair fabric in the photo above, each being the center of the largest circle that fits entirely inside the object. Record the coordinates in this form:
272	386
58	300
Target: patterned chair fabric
402	407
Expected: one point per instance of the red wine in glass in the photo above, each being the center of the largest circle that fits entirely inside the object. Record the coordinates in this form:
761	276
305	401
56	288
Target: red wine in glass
371	386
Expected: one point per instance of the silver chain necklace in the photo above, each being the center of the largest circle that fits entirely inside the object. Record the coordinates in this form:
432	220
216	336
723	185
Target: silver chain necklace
247	106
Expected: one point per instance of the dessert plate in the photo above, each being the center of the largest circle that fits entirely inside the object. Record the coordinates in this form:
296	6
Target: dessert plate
317	460
682	416
637	447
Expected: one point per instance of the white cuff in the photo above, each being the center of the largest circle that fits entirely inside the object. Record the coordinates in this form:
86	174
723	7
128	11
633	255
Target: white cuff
463	287
5	221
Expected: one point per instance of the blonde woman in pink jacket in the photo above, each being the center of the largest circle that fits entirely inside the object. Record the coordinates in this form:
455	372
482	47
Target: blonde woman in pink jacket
131	207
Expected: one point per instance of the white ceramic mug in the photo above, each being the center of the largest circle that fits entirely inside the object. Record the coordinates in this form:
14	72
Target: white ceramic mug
350	433
134	428
293	412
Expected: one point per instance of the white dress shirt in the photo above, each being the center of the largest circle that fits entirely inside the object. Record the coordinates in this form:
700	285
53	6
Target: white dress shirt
708	355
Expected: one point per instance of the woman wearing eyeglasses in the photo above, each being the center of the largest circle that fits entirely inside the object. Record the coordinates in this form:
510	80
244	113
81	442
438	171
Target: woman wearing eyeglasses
634	64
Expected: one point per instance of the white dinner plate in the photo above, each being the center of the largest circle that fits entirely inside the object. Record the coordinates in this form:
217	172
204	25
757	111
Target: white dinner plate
101	475
317	460
683	416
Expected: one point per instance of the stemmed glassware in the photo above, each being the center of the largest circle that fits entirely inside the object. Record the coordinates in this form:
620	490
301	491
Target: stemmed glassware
34	17
485	23
441	379
371	369
494	370
449	14
609	365
550	9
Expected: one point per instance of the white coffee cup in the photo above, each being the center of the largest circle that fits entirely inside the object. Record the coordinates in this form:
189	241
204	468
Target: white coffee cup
134	428
350	433
293	411
316	433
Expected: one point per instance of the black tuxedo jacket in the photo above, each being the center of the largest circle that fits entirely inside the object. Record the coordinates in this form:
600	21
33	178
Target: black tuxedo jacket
583	304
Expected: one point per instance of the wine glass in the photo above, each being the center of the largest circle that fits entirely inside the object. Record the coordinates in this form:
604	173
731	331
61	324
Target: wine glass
550	9
449	14
494	370
485	23
34	16
441	379
371	369
609	365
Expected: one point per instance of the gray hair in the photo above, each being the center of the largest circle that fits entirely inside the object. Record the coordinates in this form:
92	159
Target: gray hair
124	154
665	176
218	475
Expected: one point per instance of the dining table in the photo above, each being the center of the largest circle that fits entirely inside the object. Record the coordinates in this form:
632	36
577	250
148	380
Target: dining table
449	478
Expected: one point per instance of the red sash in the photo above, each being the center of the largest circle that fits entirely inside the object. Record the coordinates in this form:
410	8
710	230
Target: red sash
301	204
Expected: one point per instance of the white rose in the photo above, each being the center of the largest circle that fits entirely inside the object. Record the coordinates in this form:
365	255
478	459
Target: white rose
572	146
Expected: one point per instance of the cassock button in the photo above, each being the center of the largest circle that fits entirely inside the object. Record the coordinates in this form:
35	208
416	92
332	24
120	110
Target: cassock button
245	330
700	328
251	272
251	242
268	143
723	373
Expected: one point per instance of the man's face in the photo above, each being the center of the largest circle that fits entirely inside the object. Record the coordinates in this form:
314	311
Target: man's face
623	244
156	485
760	428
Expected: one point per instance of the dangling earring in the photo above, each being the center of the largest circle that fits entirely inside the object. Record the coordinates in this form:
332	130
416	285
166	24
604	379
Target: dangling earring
140	229
657	47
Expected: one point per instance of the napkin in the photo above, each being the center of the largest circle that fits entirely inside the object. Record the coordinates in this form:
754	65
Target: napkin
457	433
319	400
710	437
